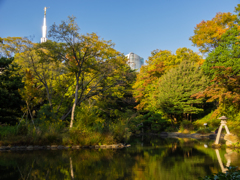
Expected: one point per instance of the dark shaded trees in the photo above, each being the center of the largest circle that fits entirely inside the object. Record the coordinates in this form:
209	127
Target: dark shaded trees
10	99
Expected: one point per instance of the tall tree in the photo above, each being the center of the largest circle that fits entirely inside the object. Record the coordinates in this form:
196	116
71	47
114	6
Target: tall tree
48	73
223	67
160	62
173	95
95	64
32	94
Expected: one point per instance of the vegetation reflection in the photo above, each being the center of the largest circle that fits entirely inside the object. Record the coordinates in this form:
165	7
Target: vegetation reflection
149	158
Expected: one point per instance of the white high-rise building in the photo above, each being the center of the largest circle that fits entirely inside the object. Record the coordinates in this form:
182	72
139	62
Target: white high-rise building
44	27
135	61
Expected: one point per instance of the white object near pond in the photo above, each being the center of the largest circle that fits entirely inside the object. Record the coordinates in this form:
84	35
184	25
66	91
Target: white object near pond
205	124
223	123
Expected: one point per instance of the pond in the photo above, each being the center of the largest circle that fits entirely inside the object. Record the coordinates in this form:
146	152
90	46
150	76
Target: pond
149	157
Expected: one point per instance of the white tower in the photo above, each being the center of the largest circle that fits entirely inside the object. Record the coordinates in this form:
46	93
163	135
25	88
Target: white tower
44	27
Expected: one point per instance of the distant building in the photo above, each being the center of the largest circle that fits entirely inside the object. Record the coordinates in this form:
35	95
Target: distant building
135	61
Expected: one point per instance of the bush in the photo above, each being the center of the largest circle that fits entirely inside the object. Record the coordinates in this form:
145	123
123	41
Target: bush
120	130
150	122
79	137
171	129
234	127
45	114
204	131
87	119
213	123
231	174
6	131
186	126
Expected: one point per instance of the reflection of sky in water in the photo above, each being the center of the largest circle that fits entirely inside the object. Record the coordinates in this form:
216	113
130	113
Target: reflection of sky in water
147	158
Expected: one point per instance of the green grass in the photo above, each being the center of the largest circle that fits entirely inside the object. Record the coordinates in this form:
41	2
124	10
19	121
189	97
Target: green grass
29	135
7	131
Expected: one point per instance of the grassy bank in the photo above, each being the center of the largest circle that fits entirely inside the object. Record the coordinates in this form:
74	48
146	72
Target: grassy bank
59	133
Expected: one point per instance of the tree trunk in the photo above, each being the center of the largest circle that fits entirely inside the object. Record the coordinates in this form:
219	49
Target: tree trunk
75	101
48	96
29	110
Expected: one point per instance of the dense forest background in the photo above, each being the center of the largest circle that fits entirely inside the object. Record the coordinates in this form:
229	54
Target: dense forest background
77	88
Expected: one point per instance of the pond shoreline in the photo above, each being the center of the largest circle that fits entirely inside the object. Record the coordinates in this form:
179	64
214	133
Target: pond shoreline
113	146
198	136
183	135
61	147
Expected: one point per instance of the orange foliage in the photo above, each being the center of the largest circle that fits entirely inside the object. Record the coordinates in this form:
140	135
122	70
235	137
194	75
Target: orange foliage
207	34
225	88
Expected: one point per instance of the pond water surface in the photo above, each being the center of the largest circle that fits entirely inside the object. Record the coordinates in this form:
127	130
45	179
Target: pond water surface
148	158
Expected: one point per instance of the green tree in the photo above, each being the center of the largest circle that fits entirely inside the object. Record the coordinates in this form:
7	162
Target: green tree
175	88
227	54
118	100
10	99
32	94
9	46
96	66
159	63
49	75
222	66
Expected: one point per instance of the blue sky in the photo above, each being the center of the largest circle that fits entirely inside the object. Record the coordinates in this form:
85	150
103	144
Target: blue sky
138	26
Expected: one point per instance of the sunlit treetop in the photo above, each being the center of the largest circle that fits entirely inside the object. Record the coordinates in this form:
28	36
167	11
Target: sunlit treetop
159	63
9	46
207	34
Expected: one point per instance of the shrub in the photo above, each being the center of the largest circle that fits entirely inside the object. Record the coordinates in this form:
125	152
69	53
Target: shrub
79	137
6	131
204	131
232	173
120	130
22	128
171	129
87	119
213	123
150	122
234	127
186	126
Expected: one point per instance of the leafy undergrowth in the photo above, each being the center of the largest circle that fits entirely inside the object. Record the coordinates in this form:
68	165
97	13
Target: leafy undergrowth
211	122
72	138
57	134
204	131
231	174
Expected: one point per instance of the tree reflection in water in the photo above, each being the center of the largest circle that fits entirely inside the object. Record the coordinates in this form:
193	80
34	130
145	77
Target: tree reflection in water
147	158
